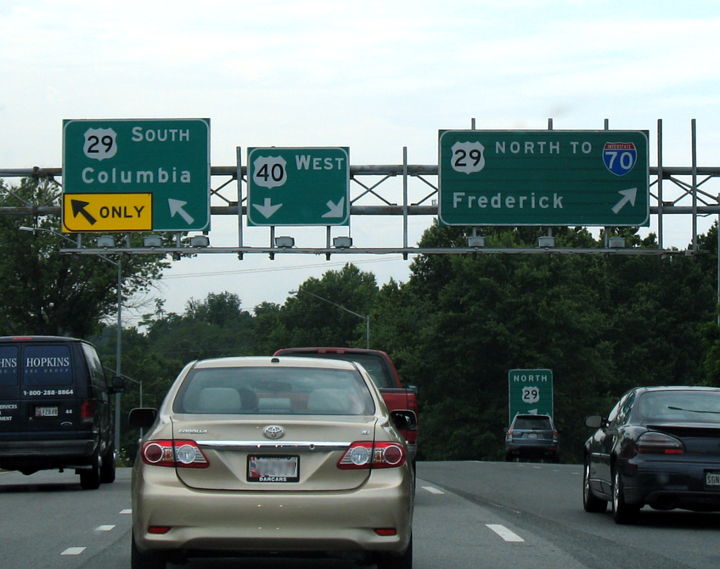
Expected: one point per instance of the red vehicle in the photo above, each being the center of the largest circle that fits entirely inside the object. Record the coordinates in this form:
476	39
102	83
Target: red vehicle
382	370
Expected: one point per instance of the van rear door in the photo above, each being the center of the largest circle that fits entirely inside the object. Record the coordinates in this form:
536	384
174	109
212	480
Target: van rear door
10	405
48	389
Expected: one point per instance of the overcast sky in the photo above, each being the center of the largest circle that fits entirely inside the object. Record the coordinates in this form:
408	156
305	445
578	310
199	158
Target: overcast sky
375	76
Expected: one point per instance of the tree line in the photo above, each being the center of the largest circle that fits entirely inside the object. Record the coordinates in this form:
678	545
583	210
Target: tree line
602	323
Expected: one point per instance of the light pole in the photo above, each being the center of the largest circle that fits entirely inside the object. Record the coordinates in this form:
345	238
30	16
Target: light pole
365	317
118	335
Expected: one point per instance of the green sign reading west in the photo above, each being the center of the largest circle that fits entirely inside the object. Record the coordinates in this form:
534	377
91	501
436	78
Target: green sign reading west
107	164
530	391
298	186
543	177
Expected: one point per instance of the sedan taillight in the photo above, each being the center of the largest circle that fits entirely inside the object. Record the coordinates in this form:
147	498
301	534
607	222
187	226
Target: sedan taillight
659	443
365	454
174	453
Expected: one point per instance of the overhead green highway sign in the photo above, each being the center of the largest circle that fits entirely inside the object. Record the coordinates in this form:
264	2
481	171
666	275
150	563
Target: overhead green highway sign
136	175
298	186
543	177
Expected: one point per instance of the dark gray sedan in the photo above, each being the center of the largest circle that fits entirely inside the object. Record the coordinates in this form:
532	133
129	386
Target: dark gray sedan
659	446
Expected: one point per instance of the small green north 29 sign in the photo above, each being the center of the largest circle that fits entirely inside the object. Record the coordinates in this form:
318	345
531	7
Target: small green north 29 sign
298	186
543	177
530	391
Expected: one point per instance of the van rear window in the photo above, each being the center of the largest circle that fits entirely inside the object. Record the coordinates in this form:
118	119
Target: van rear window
46	365
8	365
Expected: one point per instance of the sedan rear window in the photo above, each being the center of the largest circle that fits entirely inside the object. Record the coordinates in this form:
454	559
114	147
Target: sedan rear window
684	406
274	391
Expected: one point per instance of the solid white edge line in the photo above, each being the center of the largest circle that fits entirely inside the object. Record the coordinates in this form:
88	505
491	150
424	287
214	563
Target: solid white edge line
505	533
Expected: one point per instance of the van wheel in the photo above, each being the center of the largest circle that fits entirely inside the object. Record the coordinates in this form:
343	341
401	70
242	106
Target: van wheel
90	477
107	470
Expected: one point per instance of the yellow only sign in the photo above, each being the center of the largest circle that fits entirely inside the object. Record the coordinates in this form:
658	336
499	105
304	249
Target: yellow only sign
107	212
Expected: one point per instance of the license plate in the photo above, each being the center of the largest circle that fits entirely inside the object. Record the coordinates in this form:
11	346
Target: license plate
532	435
273	468
46	411
712	479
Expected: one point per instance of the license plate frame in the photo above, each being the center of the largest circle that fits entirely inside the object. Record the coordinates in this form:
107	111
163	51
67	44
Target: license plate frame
712	479
273	469
47	411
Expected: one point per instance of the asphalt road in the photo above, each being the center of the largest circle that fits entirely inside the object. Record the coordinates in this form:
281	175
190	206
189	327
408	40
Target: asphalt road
468	515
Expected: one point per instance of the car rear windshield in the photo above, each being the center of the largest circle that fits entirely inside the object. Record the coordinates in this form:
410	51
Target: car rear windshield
684	406
375	365
274	391
532	423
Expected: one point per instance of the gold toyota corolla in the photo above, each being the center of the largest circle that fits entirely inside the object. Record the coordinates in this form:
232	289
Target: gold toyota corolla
281	455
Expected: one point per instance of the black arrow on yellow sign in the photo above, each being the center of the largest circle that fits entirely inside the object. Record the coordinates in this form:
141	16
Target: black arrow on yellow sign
78	207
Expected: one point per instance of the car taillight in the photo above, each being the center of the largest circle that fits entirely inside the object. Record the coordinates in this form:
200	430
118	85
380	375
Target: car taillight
174	453
365	454
508	435
659	443
87	409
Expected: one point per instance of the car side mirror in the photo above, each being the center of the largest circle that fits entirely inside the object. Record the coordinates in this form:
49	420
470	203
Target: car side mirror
594	422
404	419
117	384
142	417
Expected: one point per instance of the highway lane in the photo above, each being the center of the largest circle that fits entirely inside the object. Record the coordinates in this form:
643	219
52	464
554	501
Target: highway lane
469	515
545	500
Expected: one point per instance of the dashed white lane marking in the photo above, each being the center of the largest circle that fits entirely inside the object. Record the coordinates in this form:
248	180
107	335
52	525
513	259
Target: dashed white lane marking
74	551
105	528
505	533
433	490
126	511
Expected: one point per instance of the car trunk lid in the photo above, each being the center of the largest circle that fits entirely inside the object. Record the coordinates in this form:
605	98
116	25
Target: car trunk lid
243	456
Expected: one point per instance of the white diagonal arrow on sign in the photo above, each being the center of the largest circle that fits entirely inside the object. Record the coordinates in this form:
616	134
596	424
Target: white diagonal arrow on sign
628	195
176	206
267	209
335	210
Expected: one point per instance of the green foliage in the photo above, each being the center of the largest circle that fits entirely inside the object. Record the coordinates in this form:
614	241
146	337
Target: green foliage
54	293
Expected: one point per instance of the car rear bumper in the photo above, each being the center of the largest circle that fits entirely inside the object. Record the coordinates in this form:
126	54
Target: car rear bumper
44	454
666	485
531	448
250	521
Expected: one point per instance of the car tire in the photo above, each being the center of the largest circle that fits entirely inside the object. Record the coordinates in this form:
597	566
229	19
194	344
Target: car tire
390	561
90	477
107	470
591	503
623	513
145	559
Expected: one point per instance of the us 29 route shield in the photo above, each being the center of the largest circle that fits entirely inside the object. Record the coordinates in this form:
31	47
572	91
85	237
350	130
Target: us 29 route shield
543	177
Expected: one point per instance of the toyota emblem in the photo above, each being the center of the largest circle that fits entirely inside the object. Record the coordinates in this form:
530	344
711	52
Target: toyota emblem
274	432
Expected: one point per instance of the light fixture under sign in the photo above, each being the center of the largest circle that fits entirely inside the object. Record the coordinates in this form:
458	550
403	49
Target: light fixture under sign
284	242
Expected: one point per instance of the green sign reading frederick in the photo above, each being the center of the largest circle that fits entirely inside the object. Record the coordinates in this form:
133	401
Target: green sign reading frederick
543	177
145	174
298	186
530	391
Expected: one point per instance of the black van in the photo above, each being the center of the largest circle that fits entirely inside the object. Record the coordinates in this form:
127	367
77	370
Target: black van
55	408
